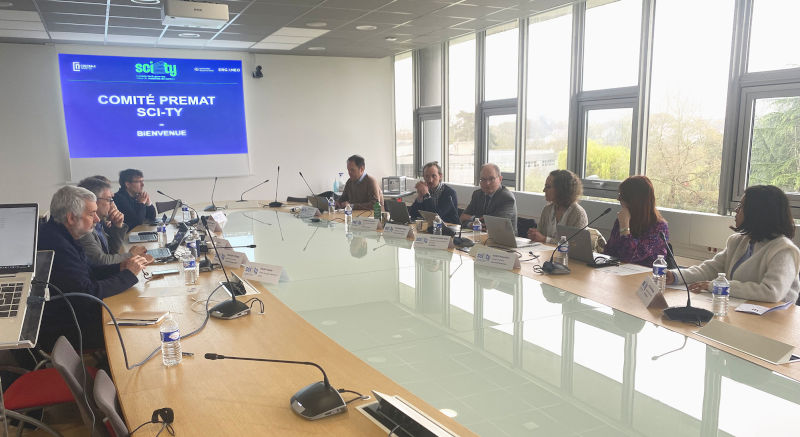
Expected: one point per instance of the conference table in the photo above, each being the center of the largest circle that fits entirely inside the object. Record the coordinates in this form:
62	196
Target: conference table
480	350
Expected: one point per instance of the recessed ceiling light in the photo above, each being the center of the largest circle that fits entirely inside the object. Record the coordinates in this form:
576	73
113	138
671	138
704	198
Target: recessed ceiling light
317	24
317	49
189	35
146	2
391	38
6	4
366	27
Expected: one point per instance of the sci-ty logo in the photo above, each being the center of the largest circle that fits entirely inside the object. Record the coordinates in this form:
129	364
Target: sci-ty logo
158	67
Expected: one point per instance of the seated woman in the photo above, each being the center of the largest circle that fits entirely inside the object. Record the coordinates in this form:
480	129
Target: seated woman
636	235
562	189
434	196
760	260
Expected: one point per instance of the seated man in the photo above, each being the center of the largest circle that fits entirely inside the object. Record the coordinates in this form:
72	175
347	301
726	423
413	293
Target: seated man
434	196
361	191
131	199
73	214
102	245
492	199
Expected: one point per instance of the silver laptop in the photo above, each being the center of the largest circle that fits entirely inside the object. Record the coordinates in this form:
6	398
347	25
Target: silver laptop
398	212
428	217
177	207
19	226
319	202
580	246
502	233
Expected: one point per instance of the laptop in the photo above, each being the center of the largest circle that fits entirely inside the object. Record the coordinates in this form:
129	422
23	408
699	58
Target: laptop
142	237
428	217
175	209
319	202
580	246
398	212
19	227
502	233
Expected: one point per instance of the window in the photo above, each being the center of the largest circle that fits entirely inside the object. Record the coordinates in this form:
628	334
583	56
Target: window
607	145
547	116
431	140
688	93
500	133
403	112
773	36
461	95
612	34
502	53
428	115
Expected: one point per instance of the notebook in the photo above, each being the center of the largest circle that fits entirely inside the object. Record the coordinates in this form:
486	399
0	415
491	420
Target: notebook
398	212
19	226
580	246
502	233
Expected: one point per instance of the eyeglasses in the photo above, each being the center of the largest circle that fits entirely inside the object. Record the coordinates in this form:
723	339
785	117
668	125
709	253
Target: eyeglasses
107	199
491	179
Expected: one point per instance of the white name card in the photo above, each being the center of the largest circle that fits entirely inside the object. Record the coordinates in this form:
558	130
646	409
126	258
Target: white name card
365	224
650	296
217	221
229	257
429	241
397	231
487	256
308	212
265	273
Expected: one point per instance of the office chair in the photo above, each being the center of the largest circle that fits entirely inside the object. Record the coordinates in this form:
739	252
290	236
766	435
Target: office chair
34	390
71	368
105	395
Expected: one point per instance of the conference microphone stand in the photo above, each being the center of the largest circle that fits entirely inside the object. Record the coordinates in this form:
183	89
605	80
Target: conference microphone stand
241	198
688	314
315	401
560	269
230	309
276	204
213	207
460	241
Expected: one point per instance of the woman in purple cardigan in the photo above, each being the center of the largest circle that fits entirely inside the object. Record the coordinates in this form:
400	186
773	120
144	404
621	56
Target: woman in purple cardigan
636	235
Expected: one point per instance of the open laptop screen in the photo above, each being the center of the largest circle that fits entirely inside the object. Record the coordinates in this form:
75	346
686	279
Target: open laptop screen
18	237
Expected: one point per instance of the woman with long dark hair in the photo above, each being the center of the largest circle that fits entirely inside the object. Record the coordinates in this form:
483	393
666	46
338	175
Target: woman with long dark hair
636	235
760	260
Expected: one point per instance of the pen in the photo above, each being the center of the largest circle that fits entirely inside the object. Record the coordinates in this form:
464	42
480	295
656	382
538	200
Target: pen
187	354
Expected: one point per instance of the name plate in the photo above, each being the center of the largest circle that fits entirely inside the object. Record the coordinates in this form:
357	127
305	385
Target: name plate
365	224
230	258
265	273
429	241
217	221
650	296
397	231
308	212
486	256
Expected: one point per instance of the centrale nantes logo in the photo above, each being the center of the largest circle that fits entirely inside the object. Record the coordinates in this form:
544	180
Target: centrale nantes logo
158	68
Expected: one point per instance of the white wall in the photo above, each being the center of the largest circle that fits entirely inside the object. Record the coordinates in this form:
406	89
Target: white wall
307	114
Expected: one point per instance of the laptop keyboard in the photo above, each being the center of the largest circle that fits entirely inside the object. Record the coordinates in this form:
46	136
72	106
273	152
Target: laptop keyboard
10	295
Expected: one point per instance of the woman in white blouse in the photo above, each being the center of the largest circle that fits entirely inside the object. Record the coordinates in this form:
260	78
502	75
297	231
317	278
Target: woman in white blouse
561	189
760	260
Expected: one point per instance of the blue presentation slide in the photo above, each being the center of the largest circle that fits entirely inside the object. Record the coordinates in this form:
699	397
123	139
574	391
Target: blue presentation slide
123	106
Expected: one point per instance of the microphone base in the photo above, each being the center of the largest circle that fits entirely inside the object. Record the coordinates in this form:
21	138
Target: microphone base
275	204
230	309
212	208
463	242
317	401
688	314
241	200
552	268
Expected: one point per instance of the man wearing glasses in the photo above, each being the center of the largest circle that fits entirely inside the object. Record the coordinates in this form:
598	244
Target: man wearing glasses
492	199
132	200
103	244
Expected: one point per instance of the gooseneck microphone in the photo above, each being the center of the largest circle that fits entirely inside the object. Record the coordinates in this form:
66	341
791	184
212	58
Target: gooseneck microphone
560	269
460	241
309	186
276	204
212	207
230	309
180	203
241	198
315	401
688	313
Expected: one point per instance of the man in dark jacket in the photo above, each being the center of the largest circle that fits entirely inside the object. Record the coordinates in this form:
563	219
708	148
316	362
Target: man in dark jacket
492	199
73	214
434	196
132	200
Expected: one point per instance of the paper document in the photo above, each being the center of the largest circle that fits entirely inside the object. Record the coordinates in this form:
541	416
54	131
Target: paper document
762	309
626	269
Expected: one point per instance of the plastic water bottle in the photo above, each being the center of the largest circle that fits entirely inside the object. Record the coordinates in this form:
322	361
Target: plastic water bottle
186	216
348	215
162	235
341	182
336	185
376	210
476	229
660	273
721	292
437	225
562	254
331	207
170	341
189	267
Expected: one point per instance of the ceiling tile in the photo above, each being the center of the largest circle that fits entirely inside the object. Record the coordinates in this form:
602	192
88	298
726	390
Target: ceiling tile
251	38
273	46
21	25
75	8
181	42
507	14
364	5
135	22
127	11
274	10
133	31
22	5
96	20
229	44
465	11
131	39
26	34
77	36
416	8
19	15
325	14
